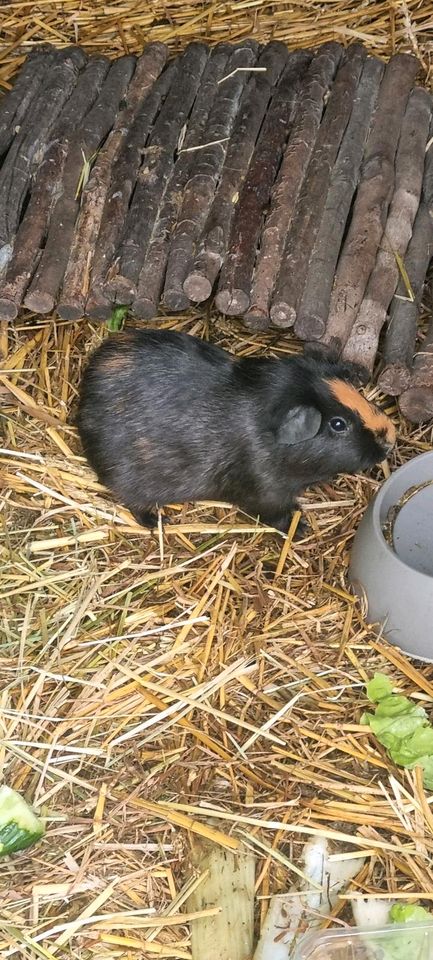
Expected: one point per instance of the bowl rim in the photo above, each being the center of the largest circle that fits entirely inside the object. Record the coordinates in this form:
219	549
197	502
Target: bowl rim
375	515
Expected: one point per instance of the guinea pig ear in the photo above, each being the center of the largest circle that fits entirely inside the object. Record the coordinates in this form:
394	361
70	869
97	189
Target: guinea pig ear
300	423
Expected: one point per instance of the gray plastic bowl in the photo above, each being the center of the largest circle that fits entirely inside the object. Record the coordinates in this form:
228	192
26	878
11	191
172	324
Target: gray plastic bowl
397	584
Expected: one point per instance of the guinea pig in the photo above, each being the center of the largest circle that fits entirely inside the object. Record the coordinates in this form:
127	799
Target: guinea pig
166	418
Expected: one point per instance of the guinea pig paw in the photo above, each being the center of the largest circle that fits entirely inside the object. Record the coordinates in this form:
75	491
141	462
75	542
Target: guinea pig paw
283	524
145	518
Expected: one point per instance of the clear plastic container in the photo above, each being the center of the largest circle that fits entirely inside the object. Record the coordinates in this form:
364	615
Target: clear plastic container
395	942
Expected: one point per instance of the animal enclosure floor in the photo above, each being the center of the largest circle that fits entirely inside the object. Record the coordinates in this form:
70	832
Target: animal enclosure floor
208	681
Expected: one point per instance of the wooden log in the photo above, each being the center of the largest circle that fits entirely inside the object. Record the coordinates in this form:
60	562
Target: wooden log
213	244
234	286
157	164
372	201
46	189
96	125
151	279
300	240
73	296
200	189
314	308
29	145
363	341
314	89
400	337
27	84
122	183
416	403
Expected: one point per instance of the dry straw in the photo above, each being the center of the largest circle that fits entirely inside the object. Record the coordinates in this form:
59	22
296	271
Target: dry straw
237	657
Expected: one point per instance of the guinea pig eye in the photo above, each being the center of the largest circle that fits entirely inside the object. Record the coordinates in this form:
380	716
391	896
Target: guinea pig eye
338	425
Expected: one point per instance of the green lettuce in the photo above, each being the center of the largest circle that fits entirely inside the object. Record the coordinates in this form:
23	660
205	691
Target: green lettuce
413	945
401	726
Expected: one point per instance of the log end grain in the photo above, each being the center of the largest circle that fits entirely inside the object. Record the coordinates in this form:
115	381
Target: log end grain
121	290
144	308
176	300
39	301
416	404
70	311
282	314
395	378
98	307
233	303
8	309
256	319
197	287
309	327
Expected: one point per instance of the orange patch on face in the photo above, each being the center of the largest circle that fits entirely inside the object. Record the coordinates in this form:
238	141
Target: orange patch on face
371	416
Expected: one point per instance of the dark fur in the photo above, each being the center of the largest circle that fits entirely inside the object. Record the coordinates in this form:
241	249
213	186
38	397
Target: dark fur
165	418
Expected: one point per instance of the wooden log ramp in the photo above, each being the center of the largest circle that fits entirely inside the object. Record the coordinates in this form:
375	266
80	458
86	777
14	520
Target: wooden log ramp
152	274
372	201
28	146
234	286
313	92
295	186
73	297
200	189
214	240
363	341
45	286
158	159
302	235
401	333
46	189
122	182
313	311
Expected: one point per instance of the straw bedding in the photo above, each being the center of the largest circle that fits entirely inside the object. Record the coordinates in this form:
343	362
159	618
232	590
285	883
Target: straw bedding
207	681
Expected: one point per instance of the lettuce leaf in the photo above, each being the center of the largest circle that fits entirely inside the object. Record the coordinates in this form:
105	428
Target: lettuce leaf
379	687
413	945
401	726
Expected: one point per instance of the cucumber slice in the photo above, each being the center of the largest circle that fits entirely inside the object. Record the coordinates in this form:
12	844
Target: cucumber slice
19	826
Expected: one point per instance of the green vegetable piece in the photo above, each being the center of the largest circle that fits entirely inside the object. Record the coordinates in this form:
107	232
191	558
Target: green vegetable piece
413	945
115	322
401	726
409	913
19	826
379	687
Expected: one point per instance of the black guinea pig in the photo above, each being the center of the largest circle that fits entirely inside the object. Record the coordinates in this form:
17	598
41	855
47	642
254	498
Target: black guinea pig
165	418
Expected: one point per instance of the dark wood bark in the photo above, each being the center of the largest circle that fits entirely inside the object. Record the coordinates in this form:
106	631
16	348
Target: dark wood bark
313	311
312	97
96	125
363	342
46	189
416	403
300	241
157	165
29	146
400	337
151	279
213	244
206	171
372	201
234	286
15	103
73	296
123	179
